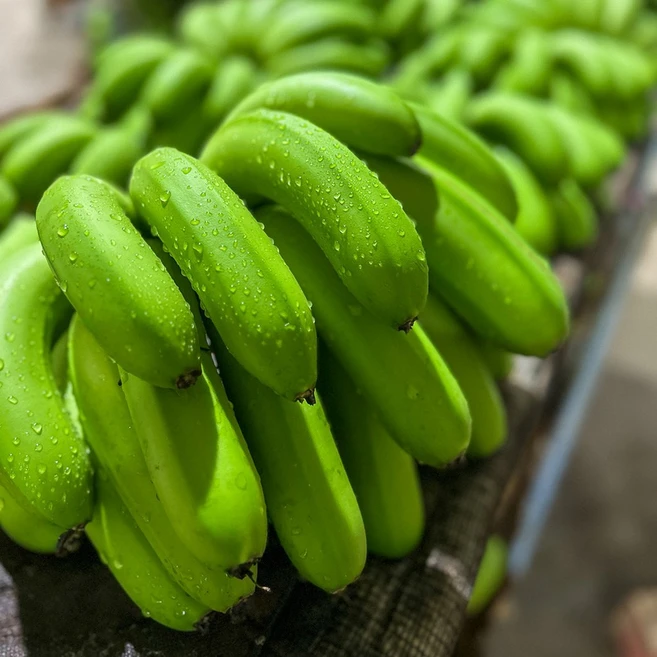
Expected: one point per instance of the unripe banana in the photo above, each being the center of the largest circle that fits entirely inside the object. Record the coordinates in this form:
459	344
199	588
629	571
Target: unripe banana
243	283
522	124
44	463
462	355
490	576
360	113
8	201
124	549
109	431
59	361
368	59
577	223
535	221
201	26
487	273
450	145
182	77
450	96
116	283
123	68
530	68
618	16
398	18
482	50
20	232
16	129
363	232
384	477
234	79
198	460
35	161
404	377
309	498
498	361
568	93
298	22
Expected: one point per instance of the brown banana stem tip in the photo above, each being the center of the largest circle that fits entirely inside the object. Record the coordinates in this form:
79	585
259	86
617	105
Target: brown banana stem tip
408	325
187	380
308	396
246	570
69	541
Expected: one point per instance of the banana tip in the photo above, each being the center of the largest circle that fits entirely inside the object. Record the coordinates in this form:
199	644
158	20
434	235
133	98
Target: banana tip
407	325
188	379
308	396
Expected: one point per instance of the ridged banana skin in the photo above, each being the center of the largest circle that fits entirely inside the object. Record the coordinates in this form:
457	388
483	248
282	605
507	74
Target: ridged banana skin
449	144
490	576
404	377
233	80
45	466
364	233
521	124
116	283
34	162
368	59
198	460
8	201
575	215
460	352
383	476
123	68
309	498
28	529
244	285
109	431
14	130
182	76
498	361
360	113
489	276
123	548
535	221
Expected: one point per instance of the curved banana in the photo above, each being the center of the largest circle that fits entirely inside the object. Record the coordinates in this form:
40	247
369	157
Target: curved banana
109	431
19	127
244	285
201	25
8	201
567	92
530	68
124	549
535	221
198	460
116	283
450	96
481	51
490	575
363	232
360	113
384	477
463	357
403	376
577	223
35	161
44	465
450	145
309	499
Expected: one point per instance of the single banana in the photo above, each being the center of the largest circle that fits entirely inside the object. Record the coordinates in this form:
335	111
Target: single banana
482	50
403	376
535	221
360	113
8	201
490	575
35	161
124	549
20	127
182	77
202	26
309	498
577	223
521	124
567	92
463	357
368	59
363	232
384	477
109	431
450	145
619	16
116	283
449	97
399	18
243	283
44	465
198	460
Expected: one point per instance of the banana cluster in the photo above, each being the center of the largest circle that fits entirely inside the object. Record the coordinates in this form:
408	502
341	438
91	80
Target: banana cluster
248	297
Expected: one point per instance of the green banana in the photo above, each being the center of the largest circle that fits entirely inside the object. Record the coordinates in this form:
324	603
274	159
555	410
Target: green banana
116	283
244	285
234	79
123	68
186	133
368	59
403	375
490	576
35	161
109	431
487	273
523	125
8	201
450	96
567	92
535	221
201	25
44	464
20	232
360	113
498	361
384	477
619	16
59	360
481	51
182	77
463	357
308	496
198	460
363	232
577	223
20	127
450	145
126	552
530	68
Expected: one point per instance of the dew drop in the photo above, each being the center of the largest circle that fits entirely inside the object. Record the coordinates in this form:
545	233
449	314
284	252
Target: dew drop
37	428
62	231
